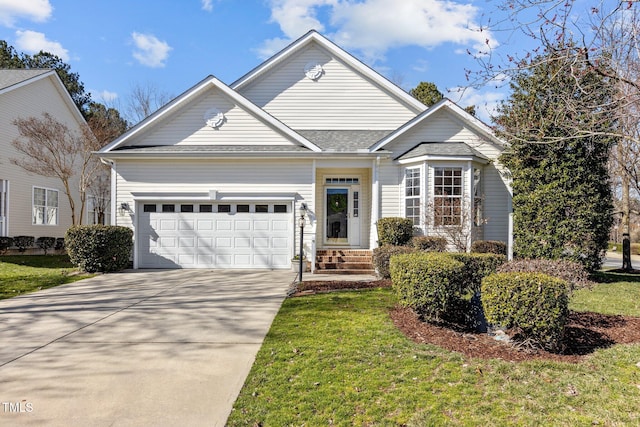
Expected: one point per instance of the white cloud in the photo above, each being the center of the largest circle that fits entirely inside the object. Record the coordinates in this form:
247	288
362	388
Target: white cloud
107	96
375	26
207	5
486	101
33	42
150	51
34	10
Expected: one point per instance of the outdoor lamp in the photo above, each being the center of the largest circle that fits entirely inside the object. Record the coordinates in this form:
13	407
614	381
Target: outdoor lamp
301	220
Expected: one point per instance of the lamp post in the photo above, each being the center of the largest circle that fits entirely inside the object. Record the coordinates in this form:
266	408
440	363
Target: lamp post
301	221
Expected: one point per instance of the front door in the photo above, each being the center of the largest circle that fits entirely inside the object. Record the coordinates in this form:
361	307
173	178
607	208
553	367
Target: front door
342	212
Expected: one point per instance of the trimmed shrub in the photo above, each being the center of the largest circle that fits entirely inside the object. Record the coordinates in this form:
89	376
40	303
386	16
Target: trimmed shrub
476	268
383	254
5	243
489	247
45	243
427	282
59	243
23	242
394	231
429	243
99	248
535	305
574	273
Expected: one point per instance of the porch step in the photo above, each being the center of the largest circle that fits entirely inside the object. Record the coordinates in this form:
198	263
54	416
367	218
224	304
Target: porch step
344	261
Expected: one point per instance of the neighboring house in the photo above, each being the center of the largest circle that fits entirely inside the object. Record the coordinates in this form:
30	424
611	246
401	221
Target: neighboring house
216	178
30	204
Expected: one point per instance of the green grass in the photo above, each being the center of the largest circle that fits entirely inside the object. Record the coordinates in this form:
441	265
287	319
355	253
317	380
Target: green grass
337	359
23	274
617	293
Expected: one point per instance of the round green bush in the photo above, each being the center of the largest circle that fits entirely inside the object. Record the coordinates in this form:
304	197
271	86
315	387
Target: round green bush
534	304
427	282
394	231
99	248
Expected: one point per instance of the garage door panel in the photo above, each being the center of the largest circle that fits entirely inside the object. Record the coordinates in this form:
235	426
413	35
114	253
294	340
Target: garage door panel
242	225
204	225
242	242
167	224
280	243
214	239
279	225
222	225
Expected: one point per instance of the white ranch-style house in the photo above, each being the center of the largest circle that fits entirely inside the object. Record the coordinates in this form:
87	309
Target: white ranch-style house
217	177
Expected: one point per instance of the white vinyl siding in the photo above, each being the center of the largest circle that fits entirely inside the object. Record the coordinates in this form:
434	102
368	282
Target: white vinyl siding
188	127
340	99
231	176
31	100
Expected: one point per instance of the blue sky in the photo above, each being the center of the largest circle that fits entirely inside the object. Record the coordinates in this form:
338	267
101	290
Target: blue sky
172	44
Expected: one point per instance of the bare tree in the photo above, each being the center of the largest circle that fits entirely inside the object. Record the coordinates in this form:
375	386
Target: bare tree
145	100
456	221
51	149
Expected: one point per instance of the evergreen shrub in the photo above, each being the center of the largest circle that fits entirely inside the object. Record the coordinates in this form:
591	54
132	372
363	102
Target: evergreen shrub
477	266
534	305
489	247
574	273
5	243
23	242
99	248
429	243
427	282
382	255
46	243
394	231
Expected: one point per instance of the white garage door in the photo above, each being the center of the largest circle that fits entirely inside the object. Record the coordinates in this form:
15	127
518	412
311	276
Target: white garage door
195	235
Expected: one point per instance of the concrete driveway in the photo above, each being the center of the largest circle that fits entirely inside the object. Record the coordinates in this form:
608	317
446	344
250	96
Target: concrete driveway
148	348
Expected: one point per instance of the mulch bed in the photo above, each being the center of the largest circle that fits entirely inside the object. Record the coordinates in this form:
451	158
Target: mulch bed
585	332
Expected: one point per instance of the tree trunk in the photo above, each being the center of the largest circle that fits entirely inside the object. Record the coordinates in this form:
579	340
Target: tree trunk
626	214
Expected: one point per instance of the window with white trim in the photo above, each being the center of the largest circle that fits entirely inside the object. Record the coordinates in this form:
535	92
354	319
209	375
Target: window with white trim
412	194
477	197
447	196
45	206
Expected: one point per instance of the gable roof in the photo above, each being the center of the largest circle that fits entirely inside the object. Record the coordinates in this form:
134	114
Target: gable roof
192	93
344	140
444	104
313	36
14	79
442	150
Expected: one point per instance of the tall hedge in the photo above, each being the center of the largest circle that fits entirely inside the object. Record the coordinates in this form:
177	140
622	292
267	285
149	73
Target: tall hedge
99	248
534	304
562	201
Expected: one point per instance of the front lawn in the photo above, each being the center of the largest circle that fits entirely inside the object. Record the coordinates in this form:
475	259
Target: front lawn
337	359
22	274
